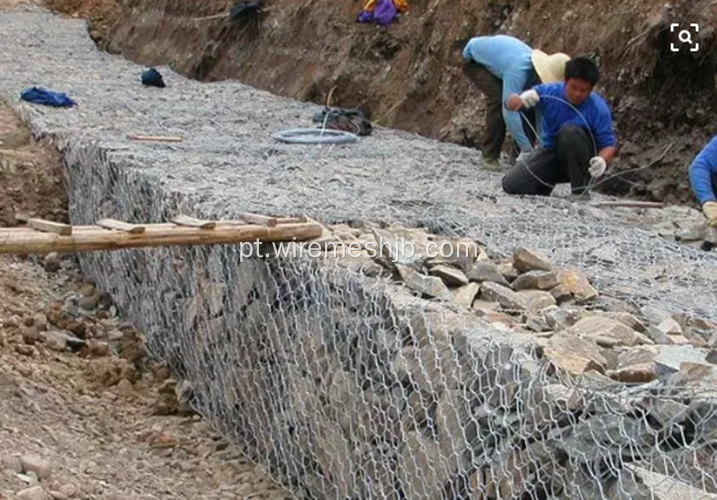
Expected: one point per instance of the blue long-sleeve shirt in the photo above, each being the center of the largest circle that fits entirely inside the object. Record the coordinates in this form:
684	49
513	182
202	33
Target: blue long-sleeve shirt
555	111
702	170
509	59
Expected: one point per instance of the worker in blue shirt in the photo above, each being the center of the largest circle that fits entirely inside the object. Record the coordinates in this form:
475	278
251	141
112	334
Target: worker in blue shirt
578	138
499	66
703	178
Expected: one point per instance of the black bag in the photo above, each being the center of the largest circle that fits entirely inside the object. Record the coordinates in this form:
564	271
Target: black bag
245	10
349	120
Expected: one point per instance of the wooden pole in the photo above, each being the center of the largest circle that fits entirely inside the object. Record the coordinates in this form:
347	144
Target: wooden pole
629	204
91	238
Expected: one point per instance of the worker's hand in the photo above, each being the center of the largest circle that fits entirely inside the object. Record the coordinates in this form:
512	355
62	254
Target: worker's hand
598	165
710	211
530	98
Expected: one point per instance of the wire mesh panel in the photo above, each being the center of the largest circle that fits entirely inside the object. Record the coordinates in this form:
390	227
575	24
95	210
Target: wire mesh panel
341	375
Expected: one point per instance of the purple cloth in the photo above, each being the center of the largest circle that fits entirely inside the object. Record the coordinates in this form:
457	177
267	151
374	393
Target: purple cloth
384	13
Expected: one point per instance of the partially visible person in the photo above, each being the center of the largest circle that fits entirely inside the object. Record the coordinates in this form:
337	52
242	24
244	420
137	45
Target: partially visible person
578	135
703	179
499	66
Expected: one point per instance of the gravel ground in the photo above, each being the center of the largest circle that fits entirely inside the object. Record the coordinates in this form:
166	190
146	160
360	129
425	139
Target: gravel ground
229	162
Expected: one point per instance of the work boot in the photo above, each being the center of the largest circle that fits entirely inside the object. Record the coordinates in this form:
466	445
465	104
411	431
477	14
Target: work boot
491	164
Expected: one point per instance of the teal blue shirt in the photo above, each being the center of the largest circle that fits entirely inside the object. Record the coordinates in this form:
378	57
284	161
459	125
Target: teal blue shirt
509	59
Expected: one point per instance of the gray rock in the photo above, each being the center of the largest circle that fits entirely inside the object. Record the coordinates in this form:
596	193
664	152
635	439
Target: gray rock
507	298
51	262
535	300
425	285
536	280
486	270
451	276
33	493
33	463
526	260
605	331
465	295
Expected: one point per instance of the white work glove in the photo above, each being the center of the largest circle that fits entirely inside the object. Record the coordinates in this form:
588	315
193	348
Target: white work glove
598	165
530	98
710	211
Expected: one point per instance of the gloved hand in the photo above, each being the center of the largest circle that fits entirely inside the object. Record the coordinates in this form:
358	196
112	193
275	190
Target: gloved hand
598	165
530	98
710	211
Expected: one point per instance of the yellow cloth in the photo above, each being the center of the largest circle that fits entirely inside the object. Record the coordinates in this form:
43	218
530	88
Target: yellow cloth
401	5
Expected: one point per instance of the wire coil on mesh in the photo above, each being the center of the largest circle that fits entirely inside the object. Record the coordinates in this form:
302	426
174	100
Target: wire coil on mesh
314	136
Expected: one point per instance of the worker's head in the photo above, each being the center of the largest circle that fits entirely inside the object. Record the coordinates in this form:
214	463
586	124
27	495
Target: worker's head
581	76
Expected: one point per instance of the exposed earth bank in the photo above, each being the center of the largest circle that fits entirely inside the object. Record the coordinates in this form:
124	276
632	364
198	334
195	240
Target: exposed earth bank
408	75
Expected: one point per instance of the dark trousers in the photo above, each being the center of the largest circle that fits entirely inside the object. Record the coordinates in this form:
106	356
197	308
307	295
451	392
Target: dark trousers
492	89
568	161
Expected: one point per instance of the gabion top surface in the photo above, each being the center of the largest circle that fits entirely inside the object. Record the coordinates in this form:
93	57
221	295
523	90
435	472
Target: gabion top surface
229	162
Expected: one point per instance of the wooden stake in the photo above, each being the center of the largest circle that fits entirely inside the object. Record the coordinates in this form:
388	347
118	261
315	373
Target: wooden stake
50	227
157	138
92	238
120	226
185	220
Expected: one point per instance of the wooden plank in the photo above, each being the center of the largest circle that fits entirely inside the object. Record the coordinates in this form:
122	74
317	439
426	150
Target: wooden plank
50	227
156	138
93	238
263	220
291	220
120	226
629	204
185	220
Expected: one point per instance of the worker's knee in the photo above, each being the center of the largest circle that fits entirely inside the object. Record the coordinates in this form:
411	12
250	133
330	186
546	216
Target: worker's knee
511	184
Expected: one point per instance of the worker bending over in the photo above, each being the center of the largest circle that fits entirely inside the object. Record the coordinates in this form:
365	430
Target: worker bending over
499	66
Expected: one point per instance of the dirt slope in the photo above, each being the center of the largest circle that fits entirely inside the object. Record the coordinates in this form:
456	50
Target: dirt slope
408	75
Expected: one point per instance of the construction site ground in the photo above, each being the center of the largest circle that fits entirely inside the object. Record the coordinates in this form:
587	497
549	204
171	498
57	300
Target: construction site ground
99	420
102	422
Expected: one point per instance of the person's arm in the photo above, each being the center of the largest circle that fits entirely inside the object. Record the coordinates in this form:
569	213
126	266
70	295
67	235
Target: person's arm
606	142
701	170
513	84
527	99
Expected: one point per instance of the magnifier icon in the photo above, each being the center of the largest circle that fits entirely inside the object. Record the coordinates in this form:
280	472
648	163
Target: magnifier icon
685	36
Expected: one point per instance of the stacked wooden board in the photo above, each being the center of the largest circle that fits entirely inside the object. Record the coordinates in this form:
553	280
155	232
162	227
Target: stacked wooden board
42	236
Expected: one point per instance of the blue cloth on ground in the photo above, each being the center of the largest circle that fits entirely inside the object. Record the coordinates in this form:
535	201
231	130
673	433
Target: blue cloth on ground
39	95
153	78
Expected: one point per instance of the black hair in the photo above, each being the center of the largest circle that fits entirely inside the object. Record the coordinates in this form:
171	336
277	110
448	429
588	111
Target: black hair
582	68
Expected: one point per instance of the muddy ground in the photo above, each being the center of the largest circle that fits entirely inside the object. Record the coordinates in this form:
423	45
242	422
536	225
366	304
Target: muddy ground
408	75
84	412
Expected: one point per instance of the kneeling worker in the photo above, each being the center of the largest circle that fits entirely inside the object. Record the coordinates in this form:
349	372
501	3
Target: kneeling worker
499	66
579	140
703	179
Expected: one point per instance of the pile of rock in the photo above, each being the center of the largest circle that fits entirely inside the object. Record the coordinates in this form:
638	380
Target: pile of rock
532	412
